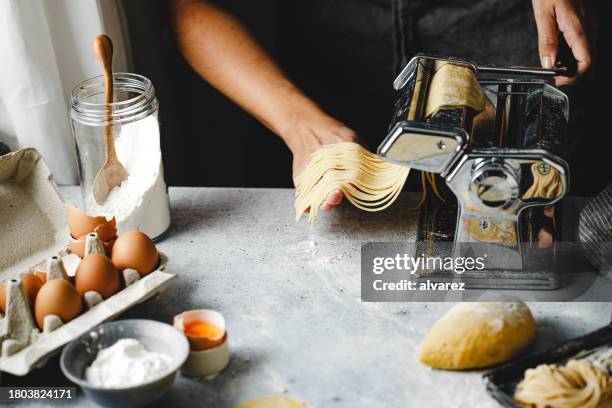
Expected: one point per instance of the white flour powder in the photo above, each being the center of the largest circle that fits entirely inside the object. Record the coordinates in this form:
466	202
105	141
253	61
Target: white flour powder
127	363
496	314
140	202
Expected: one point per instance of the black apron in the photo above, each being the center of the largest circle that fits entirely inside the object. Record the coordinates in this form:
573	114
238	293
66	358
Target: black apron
345	54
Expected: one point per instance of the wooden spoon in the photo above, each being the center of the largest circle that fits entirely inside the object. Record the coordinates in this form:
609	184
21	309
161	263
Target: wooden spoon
112	173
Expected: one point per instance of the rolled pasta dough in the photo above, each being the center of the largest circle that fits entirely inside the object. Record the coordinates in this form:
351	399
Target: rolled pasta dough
477	335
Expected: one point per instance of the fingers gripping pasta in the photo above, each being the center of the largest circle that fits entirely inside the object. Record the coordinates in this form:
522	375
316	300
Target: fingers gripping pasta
368	182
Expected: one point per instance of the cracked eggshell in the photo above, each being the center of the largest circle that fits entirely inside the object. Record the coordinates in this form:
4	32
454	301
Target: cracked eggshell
77	246
107	232
209	362
191	322
57	297
81	224
30	283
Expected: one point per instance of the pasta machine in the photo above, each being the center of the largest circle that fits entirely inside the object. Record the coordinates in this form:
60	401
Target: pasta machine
495	135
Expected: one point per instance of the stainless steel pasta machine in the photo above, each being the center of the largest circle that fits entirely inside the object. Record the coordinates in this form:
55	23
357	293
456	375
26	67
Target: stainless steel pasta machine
496	136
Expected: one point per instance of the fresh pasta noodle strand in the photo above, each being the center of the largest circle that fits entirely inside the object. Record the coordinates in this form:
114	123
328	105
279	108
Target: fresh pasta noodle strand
578	384
434	185
424	192
367	182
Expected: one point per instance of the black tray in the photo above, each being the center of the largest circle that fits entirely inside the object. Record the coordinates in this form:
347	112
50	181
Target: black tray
502	381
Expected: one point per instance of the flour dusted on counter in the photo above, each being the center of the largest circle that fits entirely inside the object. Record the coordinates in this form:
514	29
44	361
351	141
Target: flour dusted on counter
127	363
140	202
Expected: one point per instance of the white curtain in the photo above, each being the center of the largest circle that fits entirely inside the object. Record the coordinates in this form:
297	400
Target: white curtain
46	50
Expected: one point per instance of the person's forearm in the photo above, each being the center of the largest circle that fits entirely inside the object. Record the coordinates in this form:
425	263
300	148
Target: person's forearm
221	50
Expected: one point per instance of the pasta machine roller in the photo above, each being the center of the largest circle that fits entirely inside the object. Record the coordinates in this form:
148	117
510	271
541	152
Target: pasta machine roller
496	136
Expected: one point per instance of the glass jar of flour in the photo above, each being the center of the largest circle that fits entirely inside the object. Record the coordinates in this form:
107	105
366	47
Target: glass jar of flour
141	201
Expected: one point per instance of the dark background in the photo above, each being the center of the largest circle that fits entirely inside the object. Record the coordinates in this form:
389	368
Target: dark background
342	53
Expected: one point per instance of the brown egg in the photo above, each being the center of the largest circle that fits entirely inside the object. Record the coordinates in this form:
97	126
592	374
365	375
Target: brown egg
81	224
57	297
30	283
96	272
135	250
42	275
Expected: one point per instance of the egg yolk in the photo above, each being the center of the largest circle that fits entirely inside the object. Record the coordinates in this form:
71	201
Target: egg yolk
202	329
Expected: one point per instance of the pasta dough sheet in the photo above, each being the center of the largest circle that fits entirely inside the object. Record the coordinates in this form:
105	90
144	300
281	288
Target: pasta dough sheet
367	181
271	402
453	85
578	384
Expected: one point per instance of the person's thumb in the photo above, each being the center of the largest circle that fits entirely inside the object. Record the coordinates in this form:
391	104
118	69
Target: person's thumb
547	32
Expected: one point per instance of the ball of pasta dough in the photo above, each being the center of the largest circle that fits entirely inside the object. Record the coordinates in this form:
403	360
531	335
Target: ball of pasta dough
477	335
271	402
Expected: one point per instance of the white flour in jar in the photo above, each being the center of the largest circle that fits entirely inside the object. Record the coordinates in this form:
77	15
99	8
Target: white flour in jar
127	363
141	201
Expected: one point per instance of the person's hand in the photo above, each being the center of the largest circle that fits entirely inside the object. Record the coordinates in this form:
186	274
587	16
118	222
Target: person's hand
222	51
569	17
309	136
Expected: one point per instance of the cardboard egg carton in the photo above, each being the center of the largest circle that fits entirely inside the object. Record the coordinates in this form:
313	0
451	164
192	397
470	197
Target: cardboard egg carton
33	236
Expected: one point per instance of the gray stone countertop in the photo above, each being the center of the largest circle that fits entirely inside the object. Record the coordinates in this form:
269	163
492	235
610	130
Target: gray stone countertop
291	297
